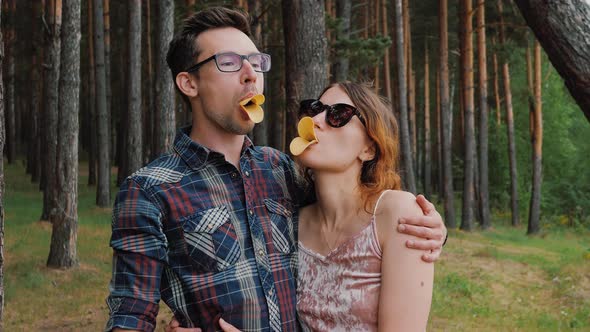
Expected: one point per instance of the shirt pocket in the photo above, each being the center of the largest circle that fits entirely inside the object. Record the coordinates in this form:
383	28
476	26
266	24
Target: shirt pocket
211	239
281	217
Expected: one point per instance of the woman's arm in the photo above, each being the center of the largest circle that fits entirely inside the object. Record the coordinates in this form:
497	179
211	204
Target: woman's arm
406	280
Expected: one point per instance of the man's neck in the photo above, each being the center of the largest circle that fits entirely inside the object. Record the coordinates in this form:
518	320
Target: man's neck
228	144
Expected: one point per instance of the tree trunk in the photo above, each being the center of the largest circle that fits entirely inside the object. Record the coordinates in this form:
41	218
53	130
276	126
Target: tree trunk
387	70
260	133
509	126
102	124
33	162
92	148
446	115
411	101
62	253
190	7
496	86
4	7
344	13
276	79
165	124
52	66
483	117
306	46
469	119
376	27
439	158
537	143
149	118
134	139
107	70
427	143
562	29
405	142
9	9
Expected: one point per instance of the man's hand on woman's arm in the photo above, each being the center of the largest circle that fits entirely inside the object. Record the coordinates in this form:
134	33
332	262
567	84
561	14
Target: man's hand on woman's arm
430	228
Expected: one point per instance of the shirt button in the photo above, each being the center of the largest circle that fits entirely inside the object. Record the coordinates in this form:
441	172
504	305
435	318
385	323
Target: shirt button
270	292
251	212
260	252
234	175
247	173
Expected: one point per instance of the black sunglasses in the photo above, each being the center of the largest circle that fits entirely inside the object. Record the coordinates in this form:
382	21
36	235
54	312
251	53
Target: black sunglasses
337	115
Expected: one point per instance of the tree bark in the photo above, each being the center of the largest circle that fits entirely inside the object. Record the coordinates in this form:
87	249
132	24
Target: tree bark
306	48
344	13
92	148
2	142
537	143
9	9
150	120
469	118
427	142
36	95
439	158
52	66
509	126
62	253
165	124
446	115
107	68
496	86
102	124
562	29
260	134
483	117
134	139
405	142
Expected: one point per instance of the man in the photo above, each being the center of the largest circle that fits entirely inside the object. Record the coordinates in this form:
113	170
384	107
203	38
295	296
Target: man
211	228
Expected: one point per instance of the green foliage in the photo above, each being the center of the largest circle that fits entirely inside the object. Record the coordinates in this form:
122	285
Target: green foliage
362	53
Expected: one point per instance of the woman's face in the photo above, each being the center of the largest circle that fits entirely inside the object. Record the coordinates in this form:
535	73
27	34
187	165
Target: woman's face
338	149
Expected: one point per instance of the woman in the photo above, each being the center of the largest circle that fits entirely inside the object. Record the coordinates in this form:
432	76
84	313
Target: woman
354	273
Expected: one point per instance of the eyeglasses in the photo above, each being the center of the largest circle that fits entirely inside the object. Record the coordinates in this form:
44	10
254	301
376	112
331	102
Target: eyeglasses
232	62
337	115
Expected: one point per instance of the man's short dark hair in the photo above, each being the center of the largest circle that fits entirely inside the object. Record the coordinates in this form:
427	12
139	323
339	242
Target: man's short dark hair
184	50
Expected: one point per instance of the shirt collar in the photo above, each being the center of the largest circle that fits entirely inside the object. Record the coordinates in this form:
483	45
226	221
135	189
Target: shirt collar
197	155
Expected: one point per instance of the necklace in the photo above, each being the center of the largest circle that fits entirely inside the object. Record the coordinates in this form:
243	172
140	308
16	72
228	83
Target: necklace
325	239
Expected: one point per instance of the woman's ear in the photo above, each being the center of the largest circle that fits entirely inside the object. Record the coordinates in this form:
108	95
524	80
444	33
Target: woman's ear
368	152
187	84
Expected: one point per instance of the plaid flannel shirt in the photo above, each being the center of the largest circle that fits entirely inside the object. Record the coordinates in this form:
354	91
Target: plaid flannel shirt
208	240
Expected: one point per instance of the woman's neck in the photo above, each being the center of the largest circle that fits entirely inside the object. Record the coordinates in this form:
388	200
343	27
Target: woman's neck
338	198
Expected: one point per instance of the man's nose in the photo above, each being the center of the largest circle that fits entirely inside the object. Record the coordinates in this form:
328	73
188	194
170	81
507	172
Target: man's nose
248	73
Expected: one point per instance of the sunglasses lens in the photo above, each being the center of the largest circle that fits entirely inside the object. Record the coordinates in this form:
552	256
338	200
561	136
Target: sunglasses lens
309	107
339	115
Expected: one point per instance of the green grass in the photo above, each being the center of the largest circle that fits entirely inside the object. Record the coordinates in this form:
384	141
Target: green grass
498	280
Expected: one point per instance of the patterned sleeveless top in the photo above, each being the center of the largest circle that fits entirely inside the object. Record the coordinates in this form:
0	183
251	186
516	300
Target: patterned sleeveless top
340	291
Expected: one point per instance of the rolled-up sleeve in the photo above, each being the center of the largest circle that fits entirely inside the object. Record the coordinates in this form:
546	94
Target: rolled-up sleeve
139	253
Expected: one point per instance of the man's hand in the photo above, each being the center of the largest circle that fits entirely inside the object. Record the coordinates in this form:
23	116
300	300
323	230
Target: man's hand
429	227
174	326
227	327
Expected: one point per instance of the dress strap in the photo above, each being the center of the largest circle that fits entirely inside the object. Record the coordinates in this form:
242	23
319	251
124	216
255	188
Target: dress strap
379	200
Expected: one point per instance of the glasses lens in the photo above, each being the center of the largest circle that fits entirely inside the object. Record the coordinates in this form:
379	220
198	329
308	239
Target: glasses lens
228	62
260	62
339	115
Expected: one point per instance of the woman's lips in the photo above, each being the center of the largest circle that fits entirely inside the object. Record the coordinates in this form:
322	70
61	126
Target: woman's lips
307	136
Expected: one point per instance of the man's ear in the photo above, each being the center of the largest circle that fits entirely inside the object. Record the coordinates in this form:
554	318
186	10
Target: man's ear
187	84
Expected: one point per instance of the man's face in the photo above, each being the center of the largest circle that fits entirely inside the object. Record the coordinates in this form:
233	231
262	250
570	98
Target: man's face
219	93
